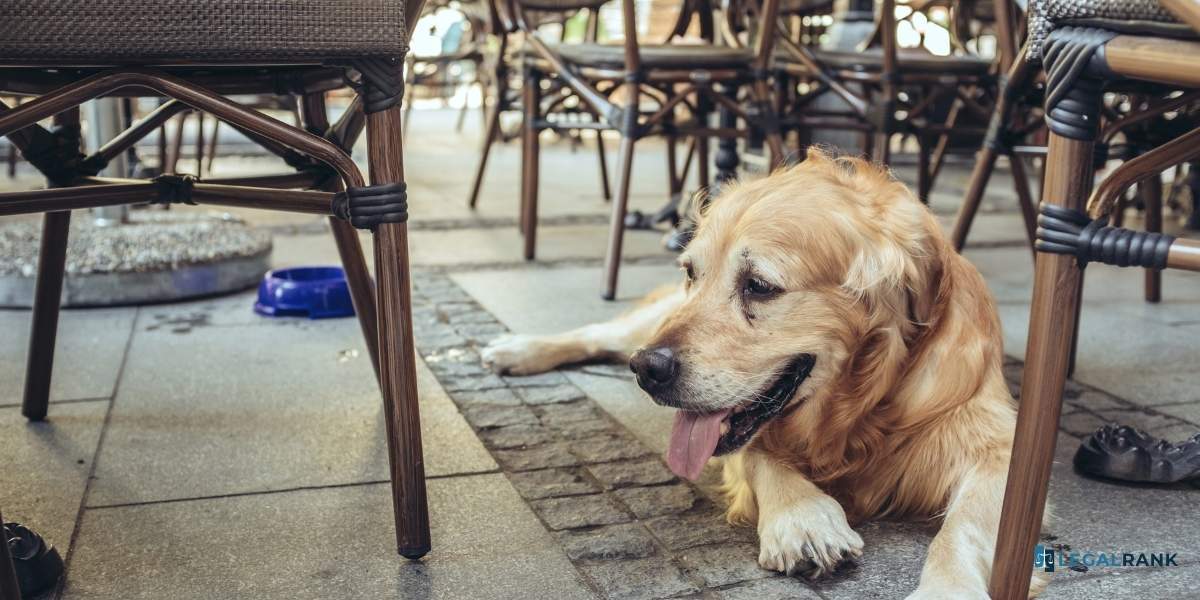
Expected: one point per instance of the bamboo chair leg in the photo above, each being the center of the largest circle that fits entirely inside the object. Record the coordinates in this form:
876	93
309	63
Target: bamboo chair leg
1051	323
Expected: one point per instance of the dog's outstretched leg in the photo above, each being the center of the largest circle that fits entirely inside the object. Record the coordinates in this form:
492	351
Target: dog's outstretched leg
801	529
959	563
615	340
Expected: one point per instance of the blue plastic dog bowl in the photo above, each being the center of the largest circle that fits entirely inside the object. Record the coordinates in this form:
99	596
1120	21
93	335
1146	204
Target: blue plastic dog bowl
314	292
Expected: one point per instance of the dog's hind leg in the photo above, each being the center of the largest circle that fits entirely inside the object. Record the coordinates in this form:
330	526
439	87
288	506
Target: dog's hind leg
614	340
959	563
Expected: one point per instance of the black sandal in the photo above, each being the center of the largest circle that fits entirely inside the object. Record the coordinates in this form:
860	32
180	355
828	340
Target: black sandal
1123	453
37	563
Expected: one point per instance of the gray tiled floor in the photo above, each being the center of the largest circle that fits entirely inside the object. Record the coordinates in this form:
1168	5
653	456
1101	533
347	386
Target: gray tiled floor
243	454
322	543
90	347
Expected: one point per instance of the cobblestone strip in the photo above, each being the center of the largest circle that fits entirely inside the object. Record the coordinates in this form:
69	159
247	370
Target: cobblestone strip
630	527
1086	409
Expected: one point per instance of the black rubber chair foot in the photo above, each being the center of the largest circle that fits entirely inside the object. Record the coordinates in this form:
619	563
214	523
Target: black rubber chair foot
1123	453
37	564
414	553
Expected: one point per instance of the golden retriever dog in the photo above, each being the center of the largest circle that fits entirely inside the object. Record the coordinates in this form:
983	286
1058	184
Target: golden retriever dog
844	361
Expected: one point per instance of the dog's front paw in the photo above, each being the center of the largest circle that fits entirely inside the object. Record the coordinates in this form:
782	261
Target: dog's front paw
812	538
517	355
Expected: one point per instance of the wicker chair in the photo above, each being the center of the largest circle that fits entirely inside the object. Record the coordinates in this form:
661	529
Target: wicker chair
888	90
698	77
68	53
1082	47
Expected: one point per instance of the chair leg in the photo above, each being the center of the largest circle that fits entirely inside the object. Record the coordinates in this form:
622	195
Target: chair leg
1055	300
881	151
985	161
924	169
199	143
9	589
212	145
172	164
492	130
603	166
397	360
616	226
1151	190
531	156
52	262
1024	197
362	289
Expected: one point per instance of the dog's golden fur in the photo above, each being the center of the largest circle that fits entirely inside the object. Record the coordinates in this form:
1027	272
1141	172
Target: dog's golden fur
906	412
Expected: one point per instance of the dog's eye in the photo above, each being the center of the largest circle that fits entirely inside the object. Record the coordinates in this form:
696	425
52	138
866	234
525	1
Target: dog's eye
757	288
689	272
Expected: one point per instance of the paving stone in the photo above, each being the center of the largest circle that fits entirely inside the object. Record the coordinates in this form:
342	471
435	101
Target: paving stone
548	379
638	579
775	588
46	466
476	316
484	382
1080	423
699	528
438	341
723	564
551	395
498	396
567	412
573	512
285	411
1139	419
1175	433
607	448
627	540
481	333
322	544
891	564
538	457
455	362
618	370
574	430
490	416
517	436
458	308
88	353
551	483
1095	400
631	473
646	502
1189	411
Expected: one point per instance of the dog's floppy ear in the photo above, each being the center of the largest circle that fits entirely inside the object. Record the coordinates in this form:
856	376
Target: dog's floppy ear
898	269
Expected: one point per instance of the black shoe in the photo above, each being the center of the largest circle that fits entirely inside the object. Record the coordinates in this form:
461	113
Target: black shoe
1128	454
37	563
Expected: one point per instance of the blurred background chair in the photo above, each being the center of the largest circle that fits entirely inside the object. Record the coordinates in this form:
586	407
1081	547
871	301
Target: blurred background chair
886	90
638	90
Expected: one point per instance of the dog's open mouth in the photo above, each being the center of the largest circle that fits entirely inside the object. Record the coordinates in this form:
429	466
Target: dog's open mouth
696	437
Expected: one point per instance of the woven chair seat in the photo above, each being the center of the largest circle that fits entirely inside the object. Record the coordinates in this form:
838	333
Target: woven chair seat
908	59
1145	17
149	32
657	56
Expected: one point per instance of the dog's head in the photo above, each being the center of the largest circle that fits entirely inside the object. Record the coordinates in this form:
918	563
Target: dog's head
793	282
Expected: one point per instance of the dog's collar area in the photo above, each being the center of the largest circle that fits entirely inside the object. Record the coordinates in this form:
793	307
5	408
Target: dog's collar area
743	424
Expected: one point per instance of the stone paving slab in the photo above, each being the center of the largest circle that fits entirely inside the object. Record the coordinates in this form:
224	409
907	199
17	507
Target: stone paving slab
46	466
90	345
322	543
225	410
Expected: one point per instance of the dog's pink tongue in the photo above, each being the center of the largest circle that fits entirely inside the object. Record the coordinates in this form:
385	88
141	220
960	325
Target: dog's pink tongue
693	441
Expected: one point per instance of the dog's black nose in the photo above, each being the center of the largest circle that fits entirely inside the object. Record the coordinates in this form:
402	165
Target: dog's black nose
656	368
